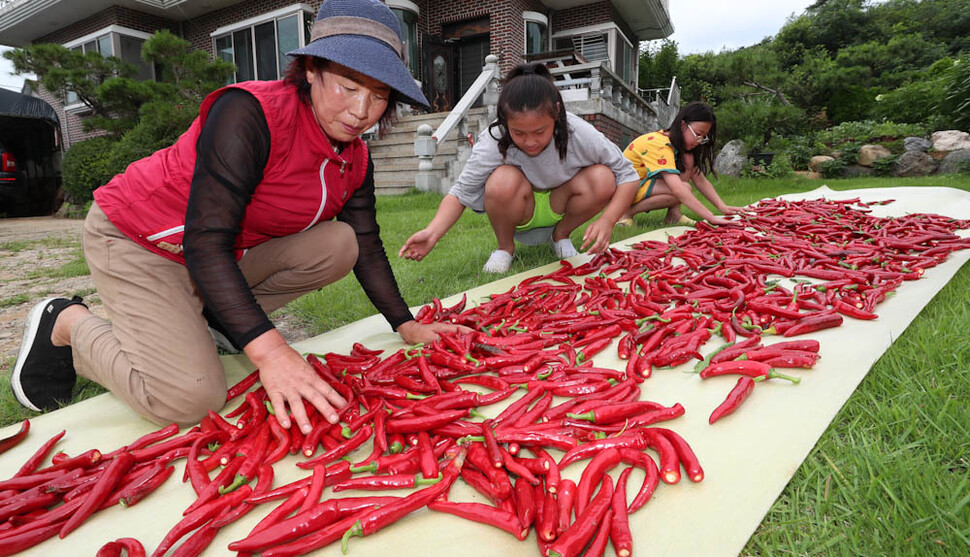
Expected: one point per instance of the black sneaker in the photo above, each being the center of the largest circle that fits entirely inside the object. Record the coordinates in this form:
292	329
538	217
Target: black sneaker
44	374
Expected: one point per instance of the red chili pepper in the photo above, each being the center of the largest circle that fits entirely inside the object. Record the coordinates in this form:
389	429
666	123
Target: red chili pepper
131	546
340	451
814	323
34	461
547	523
131	494
523	494
15	543
592	475
684	453
375	520
242	386
734	399
16	438
749	368
110	478
426	423
572	541
620	522
853	311
630	440
484	514
393	481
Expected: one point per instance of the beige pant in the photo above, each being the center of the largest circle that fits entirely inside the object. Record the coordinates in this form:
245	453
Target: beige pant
155	353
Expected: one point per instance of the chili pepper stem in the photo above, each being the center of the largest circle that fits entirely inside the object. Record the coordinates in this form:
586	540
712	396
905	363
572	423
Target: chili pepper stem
778	375
356	530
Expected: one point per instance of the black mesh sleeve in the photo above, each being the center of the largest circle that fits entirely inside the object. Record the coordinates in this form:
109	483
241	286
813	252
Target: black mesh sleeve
231	153
373	270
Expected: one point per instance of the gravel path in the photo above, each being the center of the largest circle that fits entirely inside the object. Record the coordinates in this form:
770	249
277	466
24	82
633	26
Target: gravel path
32	250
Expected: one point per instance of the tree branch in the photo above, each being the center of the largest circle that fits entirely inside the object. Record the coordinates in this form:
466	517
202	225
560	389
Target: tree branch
777	93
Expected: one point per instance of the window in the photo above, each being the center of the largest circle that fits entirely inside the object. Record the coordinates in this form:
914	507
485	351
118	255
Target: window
591	46
407	16
602	43
116	41
536	32
258	46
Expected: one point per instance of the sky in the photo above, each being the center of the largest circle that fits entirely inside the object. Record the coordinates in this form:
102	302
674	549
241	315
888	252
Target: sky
710	25
699	26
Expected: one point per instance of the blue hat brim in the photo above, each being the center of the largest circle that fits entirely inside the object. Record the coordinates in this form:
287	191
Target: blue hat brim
370	57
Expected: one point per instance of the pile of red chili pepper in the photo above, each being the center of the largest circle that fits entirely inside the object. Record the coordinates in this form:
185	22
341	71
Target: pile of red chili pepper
441	413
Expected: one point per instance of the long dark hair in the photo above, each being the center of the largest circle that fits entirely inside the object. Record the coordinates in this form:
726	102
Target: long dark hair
295	75
529	87
703	154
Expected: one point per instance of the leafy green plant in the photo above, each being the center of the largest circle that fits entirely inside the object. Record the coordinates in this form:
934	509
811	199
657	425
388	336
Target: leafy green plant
956	102
800	150
832	169
885	167
865	131
86	166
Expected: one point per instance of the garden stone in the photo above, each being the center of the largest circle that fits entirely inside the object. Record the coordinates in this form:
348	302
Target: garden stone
956	162
857	171
817	161
917	144
951	140
869	154
731	159
915	163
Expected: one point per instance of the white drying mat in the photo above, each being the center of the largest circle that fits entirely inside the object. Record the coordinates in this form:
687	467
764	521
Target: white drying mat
748	457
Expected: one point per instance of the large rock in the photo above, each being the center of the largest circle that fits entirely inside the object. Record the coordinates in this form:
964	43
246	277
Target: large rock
815	164
731	159
917	144
951	140
869	154
915	163
956	161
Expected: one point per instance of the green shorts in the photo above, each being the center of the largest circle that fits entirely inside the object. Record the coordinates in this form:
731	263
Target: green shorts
542	216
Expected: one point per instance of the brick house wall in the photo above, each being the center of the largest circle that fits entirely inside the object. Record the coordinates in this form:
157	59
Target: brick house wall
613	130
506	33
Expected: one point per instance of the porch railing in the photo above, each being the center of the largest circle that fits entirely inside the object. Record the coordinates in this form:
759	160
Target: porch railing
666	100
427	141
595	80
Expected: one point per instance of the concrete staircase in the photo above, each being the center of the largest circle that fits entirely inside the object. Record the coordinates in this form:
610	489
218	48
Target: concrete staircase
395	164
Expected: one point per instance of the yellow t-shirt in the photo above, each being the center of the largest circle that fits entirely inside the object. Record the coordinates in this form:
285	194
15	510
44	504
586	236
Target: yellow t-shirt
651	155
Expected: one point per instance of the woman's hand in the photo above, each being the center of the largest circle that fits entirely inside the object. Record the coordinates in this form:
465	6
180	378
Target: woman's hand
731	210
597	236
418	245
413	332
289	380
720	221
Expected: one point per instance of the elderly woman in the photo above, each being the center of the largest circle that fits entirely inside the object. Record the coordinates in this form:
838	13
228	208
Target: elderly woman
268	195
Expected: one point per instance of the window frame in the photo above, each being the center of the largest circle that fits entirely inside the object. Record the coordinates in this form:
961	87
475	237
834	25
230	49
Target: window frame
114	33
534	17
413	62
612	31
301	9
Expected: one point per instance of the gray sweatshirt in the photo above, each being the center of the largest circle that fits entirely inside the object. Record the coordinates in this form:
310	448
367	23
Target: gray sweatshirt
545	171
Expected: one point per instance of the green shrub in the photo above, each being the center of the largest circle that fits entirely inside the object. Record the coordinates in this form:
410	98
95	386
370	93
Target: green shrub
956	102
86	166
800	151
885	167
832	169
868	130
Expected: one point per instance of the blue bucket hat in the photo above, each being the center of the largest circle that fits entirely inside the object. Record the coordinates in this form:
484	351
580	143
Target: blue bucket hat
363	35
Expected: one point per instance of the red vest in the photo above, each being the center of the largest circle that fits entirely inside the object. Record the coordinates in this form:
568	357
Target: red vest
304	181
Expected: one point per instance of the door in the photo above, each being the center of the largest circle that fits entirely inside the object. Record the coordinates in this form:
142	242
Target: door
471	57
439	69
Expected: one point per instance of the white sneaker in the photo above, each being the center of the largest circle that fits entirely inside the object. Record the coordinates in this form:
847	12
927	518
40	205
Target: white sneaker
564	248
498	262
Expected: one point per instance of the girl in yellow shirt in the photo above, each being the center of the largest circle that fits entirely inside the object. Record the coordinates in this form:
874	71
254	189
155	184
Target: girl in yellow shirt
670	161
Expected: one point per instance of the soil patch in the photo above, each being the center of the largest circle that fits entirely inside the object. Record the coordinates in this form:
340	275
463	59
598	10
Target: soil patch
36	254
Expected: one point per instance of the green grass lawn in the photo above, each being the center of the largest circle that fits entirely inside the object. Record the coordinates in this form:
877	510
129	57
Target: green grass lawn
889	476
